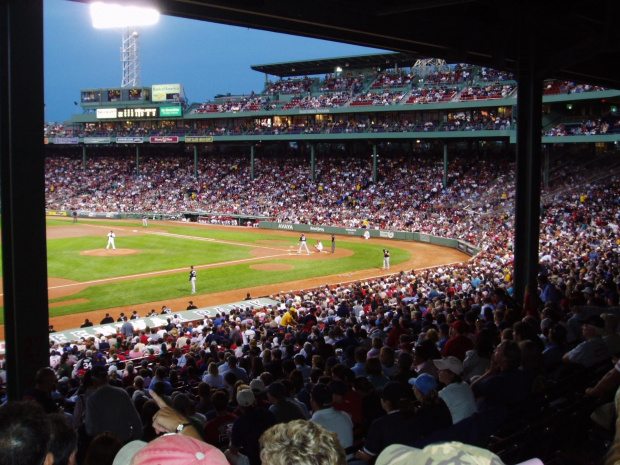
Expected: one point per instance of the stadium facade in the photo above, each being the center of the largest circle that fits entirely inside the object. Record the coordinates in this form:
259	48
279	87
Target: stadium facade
379	99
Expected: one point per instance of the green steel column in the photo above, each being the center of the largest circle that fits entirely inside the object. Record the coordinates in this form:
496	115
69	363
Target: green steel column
312	162
252	162
196	161
445	166
22	172
84	157
529	120
546	169
374	163
137	160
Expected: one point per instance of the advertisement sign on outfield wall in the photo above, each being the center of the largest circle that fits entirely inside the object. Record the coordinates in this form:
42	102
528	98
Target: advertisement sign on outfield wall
166	92
375	233
129	140
170	111
66	140
106	113
96	140
198	139
164	139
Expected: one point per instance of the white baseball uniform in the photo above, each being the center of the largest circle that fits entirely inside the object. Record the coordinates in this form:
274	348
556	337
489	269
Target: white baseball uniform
111	237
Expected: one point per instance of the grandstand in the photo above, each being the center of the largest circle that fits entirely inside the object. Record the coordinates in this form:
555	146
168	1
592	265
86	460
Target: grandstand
443	165
579	241
400	103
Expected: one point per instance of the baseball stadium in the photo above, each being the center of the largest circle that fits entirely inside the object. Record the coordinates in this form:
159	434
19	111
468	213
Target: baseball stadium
347	241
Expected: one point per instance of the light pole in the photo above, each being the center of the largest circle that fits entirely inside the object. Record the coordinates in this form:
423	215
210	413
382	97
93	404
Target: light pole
128	18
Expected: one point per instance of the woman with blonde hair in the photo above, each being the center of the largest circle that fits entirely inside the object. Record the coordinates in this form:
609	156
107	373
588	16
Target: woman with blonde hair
301	442
213	377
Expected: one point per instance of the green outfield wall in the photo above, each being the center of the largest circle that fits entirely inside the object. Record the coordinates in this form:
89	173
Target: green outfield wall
377	233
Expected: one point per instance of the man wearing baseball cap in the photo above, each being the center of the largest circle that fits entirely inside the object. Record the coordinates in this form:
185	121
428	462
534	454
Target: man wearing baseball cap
593	350
248	428
457	394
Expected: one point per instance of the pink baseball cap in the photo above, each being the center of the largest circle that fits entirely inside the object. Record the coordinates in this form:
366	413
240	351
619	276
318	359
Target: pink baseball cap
176	449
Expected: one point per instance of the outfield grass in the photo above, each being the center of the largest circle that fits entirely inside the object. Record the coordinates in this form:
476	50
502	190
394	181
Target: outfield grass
159	253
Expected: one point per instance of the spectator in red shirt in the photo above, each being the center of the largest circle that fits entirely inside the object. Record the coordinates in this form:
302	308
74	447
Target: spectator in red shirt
215	429
458	345
394	335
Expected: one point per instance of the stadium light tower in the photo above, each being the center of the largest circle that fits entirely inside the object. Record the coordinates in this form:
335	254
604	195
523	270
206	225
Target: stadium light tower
426	66
129	18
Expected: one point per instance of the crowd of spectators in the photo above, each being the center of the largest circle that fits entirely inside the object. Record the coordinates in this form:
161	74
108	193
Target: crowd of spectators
393	80
291	86
492	91
453	77
490	74
330	100
432	94
568	87
342	193
235	105
437	354
386	97
445	352
340	90
603	125
340	83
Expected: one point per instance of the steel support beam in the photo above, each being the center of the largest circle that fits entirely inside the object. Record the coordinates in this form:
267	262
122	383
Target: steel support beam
312	164
252	162
445	166
529	122
24	256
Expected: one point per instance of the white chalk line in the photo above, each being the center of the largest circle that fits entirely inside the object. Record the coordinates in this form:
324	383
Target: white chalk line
175	270
155	273
195	238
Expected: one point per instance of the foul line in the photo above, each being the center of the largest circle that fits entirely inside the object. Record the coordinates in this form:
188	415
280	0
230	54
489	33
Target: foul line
195	238
155	273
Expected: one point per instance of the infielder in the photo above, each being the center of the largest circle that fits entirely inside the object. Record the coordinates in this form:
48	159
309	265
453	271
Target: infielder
302	244
144	221
386	259
192	279
111	237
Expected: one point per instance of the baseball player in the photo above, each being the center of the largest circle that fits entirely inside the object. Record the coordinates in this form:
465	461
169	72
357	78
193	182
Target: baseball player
367	234
111	237
386	259
144	221
333	244
319	246
302	244
192	279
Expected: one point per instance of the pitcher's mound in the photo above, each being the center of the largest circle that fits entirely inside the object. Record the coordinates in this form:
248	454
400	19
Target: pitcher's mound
109	252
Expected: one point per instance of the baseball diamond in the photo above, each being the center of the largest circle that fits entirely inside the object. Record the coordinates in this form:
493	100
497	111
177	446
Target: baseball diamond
149	284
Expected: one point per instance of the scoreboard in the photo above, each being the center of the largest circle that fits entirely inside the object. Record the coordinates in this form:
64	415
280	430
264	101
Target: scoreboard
140	112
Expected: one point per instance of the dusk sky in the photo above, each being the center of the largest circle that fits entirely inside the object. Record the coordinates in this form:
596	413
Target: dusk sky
207	58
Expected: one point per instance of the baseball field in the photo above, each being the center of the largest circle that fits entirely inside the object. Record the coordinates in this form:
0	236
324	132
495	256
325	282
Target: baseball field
150	266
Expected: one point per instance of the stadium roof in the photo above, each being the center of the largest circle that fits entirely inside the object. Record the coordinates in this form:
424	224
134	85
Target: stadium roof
328	65
572	40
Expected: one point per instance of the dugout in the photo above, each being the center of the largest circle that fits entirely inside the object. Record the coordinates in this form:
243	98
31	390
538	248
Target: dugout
218	218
